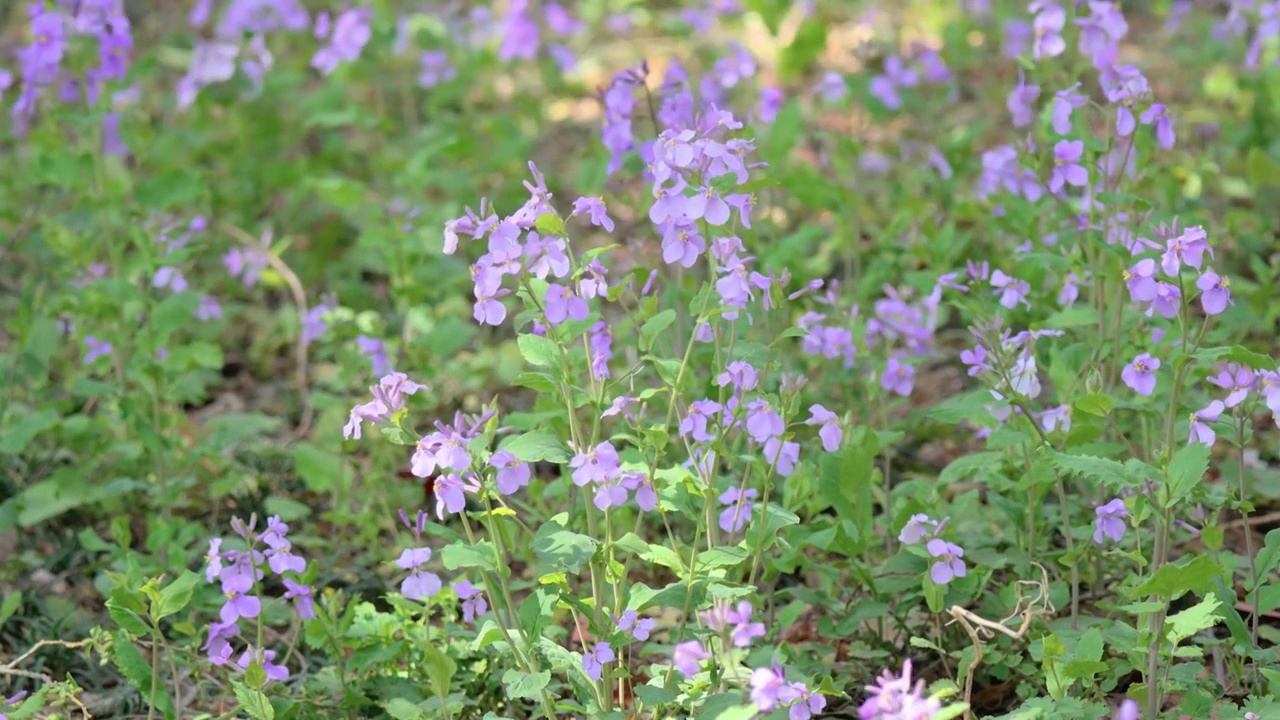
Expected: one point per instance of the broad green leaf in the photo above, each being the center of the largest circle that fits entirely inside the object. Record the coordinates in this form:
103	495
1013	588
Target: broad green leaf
15	438
521	684
550	224
562	548
654	326
319	469
1186	470
402	709
175	596
1176	579
461	555
536	446
1099	405
440	669
538	351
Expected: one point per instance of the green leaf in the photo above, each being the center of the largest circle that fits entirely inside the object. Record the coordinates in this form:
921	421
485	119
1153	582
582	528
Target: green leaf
1194	619
561	548
462	555
287	508
1249	358
440	669
126	614
535	446
176	595
319	469
525	685
137	670
1090	645
846	480
1263	170
1109	472
654	327
805	49
549	224
1173	580
254	702
11	603
255	676
1099	405
15	438
402	709
538	351
1186	470
727	706
1268	557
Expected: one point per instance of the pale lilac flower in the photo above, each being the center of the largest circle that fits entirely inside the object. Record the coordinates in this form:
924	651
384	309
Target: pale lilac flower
639	627
1200	430
734	517
512	473
1140	279
594	661
1237	380
949	565
769	688
1020	102
1110	521
1186	249
1167	302
1215	293
831	433
420	583
97	348
1140	374
918	527
688	657
898	377
1066	165
473	603
1010	289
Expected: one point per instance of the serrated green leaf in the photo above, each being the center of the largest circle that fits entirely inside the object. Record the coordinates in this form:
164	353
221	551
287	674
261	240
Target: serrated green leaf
137	670
1176	579
176	595
254	702
1201	616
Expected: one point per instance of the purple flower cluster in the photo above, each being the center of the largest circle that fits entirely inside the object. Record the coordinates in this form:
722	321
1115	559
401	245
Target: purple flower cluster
947	564
600	466
240	574
388	399
894	697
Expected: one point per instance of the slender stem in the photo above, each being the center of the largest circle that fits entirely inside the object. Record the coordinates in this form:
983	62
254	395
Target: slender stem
1248	545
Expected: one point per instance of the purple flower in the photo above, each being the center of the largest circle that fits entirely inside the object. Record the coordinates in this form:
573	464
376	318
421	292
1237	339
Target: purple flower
949	565
688	657
512	474
597	465
1237	380
769	688
770	103
208	309
1215	293
831	433
594	206
1066	165
783	456
1158	115
376	351
388	398
1186	249
1047	28
1110	522
420	583
1020	102
701	412
473	603
918	527
741	375
1200	431
593	662
744	631
1140	375
831	87
976	359
169	277
734	517
1100	33
97	348
1167	302
279	673
1140	279
1010	289
1064	102
239	605
762	422
682	244
562	304
302	597
1131	710
217	645
894	698
351	32
450	492
639	627
898	377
